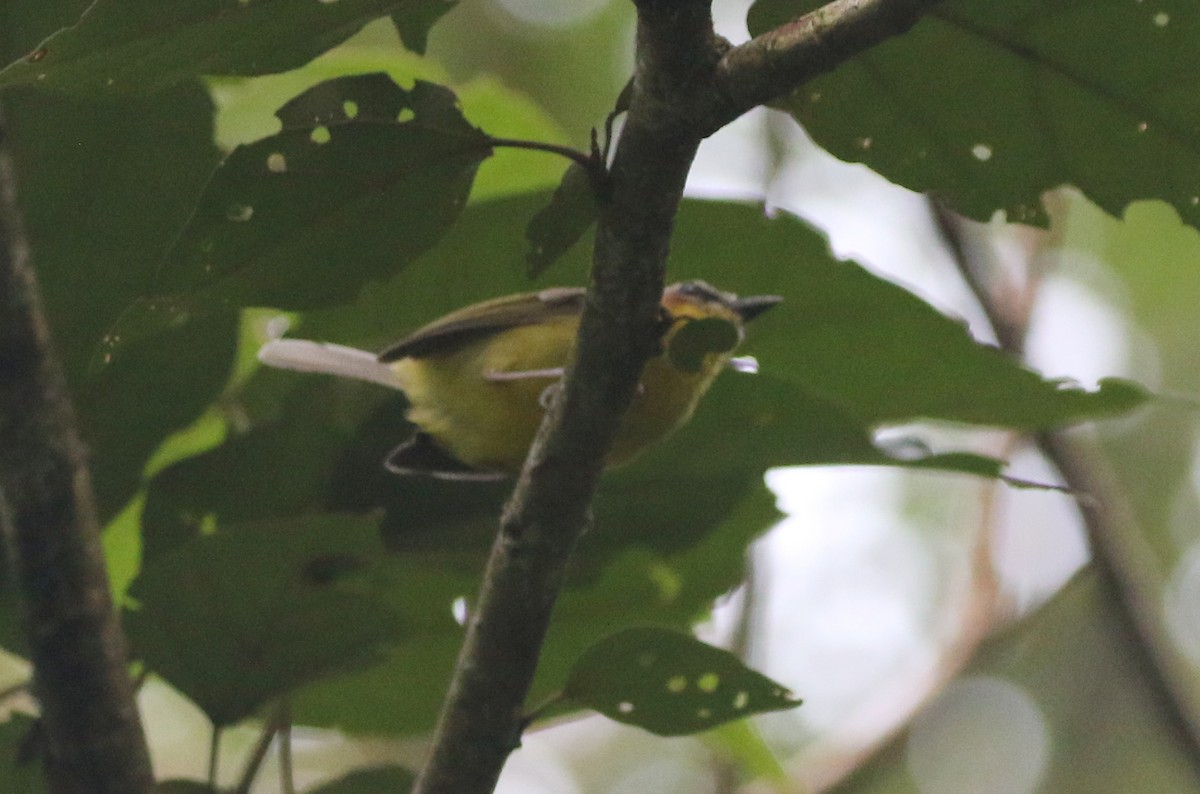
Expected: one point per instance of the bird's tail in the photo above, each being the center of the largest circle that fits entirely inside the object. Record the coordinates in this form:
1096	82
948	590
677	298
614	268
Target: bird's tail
346	362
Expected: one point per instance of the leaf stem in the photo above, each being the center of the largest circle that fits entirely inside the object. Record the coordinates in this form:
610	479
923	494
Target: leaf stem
580	158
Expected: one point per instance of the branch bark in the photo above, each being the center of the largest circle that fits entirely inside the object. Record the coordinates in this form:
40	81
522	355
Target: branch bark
777	62
92	733
684	87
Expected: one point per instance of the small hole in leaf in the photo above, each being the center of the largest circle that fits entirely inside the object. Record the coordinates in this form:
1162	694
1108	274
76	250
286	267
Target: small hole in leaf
350	108
741	700
981	152
704	714
458	608
320	135
239	212
708	682
866	143
276	163
1162	19
1142	126
625	707
406	114
676	684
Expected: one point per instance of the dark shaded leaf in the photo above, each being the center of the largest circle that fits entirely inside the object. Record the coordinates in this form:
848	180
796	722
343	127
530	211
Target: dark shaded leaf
670	683
672	527
414	21
1029	95
560	224
23	25
873	349
105	187
698	339
235	619
364	177
376	780
21	775
241	479
144	46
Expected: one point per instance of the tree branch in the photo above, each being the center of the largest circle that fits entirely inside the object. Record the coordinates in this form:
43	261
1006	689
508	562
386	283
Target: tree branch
550	508
775	63
92	732
682	91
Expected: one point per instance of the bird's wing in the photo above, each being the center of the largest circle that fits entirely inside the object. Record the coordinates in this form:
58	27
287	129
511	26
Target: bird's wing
480	320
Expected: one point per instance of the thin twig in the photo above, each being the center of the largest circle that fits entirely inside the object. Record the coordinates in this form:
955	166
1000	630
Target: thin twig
287	782
214	757
1112	529
254	761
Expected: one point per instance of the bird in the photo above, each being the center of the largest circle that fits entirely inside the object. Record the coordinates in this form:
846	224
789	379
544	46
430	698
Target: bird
478	380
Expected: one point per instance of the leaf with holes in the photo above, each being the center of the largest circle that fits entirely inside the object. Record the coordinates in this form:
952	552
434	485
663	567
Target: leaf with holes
364	177
239	617
989	104
670	683
144	46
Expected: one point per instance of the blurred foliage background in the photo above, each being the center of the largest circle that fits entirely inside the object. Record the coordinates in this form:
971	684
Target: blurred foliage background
944	630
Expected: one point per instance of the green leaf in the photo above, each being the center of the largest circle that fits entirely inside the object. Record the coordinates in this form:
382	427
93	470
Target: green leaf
105	187
24	24
670	683
240	480
559	225
364	177
376	780
144	46
1028	95
698	339
21	774
240	617
871	348
673	526
414	21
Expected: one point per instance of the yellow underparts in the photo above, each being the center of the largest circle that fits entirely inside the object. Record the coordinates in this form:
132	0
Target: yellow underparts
489	423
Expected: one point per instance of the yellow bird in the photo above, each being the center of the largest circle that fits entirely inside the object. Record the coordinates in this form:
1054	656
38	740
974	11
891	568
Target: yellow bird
478	379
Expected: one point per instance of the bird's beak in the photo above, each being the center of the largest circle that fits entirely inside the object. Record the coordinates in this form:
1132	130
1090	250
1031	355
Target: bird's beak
749	308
